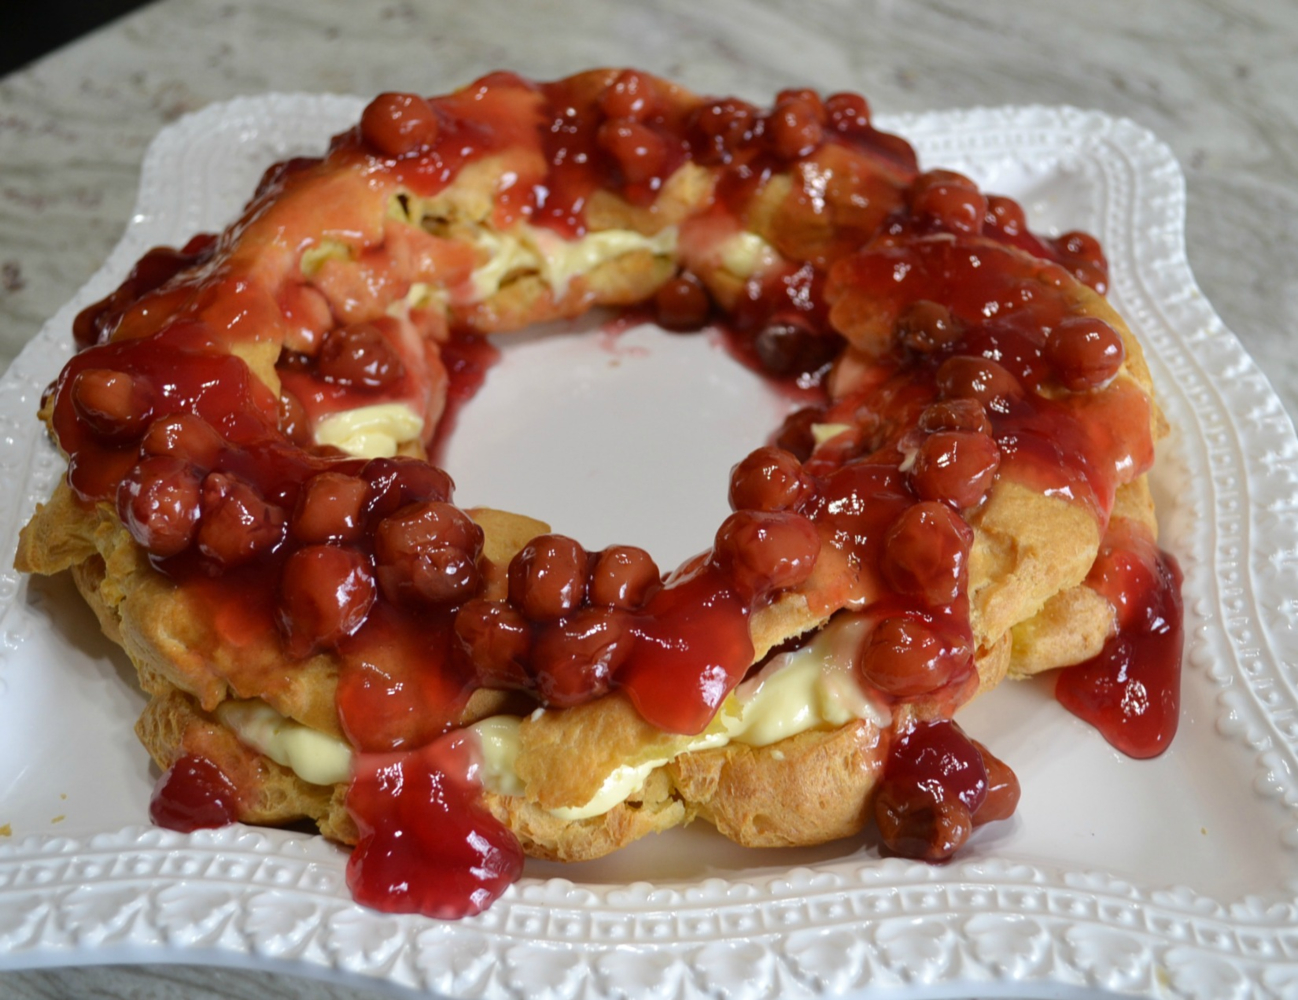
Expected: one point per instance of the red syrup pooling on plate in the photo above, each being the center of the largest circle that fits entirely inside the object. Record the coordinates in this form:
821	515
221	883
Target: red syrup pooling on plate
427	845
192	795
966	363
1131	691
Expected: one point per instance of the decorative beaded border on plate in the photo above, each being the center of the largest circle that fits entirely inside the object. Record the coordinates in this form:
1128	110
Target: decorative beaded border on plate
267	898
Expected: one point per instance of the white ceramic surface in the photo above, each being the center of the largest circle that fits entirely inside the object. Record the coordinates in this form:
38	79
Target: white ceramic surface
1176	877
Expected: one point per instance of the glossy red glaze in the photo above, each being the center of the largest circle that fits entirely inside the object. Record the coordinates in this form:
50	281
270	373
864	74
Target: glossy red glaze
497	640
193	794
912	655
576	658
402	681
682	304
692	648
1003	789
427	844
933	784
622	576
1131	691
467	359
326	593
399	124
547	577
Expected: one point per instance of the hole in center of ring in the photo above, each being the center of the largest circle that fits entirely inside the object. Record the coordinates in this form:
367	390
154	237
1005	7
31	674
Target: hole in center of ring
612	435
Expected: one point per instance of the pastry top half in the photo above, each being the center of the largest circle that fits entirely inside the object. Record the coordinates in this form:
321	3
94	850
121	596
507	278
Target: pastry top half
250	511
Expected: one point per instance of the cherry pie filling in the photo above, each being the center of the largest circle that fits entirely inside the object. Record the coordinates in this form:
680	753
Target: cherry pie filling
938	335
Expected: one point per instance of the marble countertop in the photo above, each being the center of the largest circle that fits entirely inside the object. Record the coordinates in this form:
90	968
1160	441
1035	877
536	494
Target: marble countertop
1215	79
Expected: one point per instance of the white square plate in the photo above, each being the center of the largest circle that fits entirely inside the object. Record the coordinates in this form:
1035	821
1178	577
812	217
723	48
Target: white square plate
1171	877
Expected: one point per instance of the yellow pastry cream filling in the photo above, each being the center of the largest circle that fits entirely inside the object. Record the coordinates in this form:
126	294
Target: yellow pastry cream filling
380	430
812	687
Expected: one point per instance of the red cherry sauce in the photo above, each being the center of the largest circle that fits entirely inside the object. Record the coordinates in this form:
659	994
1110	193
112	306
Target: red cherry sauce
427	844
1131	691
692	648
399	685
934	782
467	359
192	795
96	322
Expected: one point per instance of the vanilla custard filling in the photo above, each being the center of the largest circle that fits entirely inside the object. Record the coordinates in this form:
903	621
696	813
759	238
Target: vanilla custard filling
813	687
531	249
374	431
313	756
744	254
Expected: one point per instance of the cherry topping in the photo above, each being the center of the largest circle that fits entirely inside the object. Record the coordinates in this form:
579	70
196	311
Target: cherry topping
294	423
1131	691
576	657
723	128
547	577
926	326
1082	256
184	436
933	783
1085	352
498	641
395	482
97	322
632	95
330	508
682	304
1002	789
948	200
159	503
193	794
114	405
790	348
907	656
769	479
237	524
428	552
396	124
956	467
806	96
917	822
847	112
765	551
639	151
326	591
796	126
795	435
926	553
359	355
955	415
964	377
622	576
1005	216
